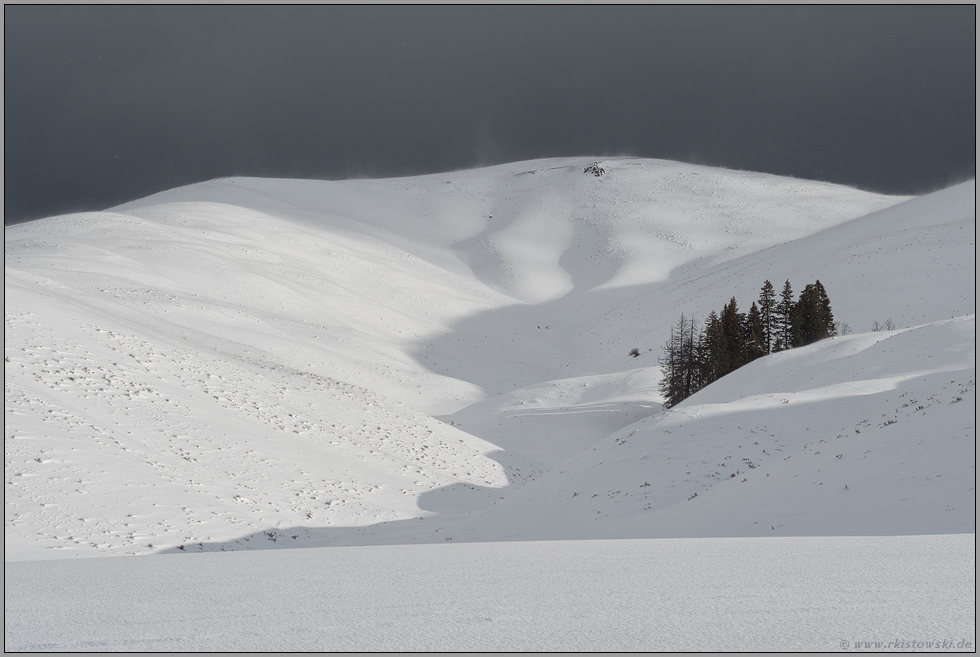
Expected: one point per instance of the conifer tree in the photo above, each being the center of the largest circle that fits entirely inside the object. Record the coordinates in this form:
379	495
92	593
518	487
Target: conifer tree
711	346
678	364
735	336
784	320
733	327
731	339
719	351
668	371
701	359
812	317
826	314
767	312
753	340
798	320
688	359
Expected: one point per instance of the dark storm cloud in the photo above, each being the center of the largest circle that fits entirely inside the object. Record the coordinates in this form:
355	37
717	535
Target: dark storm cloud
107	104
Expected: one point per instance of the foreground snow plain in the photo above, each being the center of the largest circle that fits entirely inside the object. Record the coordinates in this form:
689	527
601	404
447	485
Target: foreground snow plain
247	363
784	593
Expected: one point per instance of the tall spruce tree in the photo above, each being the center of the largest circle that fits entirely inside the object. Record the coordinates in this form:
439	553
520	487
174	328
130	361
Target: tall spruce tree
767	313
711	345
812	317
731	328
826	314
799	321
784	319
753	339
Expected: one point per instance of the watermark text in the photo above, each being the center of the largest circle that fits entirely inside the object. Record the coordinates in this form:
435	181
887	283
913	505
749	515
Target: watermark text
910	644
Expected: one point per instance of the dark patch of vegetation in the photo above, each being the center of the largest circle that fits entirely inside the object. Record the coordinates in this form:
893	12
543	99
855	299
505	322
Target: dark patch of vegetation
730	339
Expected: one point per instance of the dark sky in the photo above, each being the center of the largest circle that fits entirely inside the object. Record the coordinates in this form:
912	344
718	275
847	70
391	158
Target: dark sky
108	104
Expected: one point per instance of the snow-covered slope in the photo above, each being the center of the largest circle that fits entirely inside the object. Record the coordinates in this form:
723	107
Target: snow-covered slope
871	433
250	362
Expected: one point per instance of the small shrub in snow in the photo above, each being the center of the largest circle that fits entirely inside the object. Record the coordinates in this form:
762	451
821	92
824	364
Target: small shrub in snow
635	353
594	169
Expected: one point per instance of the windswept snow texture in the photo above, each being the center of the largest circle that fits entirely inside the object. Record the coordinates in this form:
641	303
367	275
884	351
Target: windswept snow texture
744	594
251	363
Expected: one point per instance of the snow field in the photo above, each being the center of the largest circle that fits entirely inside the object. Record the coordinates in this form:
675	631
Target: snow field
746	594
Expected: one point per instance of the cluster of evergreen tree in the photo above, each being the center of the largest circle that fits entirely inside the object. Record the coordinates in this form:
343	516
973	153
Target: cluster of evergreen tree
694	358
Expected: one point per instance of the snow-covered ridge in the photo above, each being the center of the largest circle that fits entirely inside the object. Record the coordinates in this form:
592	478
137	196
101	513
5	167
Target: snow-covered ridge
244	361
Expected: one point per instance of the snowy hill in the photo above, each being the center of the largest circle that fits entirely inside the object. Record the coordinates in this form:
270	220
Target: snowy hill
865	434
257	363
873	434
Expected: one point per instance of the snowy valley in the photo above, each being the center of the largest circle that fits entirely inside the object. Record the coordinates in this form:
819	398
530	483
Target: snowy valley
381	370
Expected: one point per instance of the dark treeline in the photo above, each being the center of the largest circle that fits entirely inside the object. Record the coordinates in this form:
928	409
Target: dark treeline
694	358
